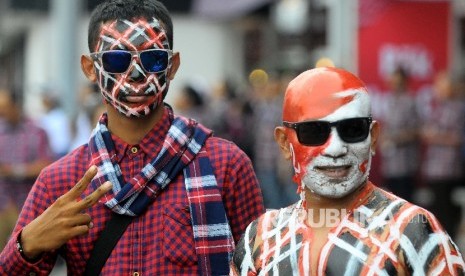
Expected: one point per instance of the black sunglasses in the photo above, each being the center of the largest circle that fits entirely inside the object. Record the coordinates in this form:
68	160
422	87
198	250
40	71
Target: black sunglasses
316	133
118	61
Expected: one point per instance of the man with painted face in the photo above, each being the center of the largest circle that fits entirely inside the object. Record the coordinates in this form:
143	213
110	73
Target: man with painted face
343	224
190	195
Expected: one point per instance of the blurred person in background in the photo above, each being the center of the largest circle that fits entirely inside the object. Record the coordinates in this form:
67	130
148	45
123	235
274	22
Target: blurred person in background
267	99
232	115
344	224
179	197
89	102
442	135
55	122
399	137
24	152
192	102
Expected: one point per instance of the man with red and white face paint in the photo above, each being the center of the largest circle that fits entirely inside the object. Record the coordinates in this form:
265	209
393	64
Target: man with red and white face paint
173	198
330	166
343	224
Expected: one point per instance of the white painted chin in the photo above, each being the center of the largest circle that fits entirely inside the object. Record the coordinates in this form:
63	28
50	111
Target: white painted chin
334	182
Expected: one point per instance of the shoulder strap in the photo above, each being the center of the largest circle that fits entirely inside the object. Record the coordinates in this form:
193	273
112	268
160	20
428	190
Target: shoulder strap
105	243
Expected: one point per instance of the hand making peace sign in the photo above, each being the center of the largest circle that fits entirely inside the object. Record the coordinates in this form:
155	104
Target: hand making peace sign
63	220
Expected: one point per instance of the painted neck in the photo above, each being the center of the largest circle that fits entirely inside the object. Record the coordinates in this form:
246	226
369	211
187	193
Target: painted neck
317	202
132	130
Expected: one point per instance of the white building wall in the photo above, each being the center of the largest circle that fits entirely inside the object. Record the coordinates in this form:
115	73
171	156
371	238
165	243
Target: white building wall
37	64
41	60
209	50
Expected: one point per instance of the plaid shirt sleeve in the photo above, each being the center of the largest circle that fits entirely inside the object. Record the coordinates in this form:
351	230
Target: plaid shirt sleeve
241	192
11	262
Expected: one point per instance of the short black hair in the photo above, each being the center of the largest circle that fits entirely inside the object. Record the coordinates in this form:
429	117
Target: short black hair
128	10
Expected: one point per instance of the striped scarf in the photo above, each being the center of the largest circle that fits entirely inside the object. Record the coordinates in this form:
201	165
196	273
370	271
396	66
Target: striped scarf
180	151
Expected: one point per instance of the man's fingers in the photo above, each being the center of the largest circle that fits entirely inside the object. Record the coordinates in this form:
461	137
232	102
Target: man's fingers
93	198
79	230
81	186
81	219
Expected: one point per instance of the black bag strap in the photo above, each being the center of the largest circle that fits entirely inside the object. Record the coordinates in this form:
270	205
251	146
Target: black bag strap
105	243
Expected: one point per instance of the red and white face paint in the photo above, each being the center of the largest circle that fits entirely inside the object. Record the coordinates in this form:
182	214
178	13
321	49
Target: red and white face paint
136	92
335	168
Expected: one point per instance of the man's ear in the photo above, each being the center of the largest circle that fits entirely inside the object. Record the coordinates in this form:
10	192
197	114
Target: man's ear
87	67
374	133
175	62
283	143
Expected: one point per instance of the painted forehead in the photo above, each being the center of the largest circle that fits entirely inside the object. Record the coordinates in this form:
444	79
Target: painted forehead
319	92
132	35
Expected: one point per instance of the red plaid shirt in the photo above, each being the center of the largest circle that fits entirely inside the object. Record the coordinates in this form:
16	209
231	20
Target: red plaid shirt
159	242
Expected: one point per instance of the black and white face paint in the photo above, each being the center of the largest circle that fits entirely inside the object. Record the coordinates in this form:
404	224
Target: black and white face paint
136	92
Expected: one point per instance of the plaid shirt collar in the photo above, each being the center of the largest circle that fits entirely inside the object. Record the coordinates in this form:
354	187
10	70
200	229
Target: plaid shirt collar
152	142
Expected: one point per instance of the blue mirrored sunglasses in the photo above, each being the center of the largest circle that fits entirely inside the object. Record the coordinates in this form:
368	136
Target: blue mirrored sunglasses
119	61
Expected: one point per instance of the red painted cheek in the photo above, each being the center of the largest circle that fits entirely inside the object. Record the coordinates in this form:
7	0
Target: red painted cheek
304	155
363	167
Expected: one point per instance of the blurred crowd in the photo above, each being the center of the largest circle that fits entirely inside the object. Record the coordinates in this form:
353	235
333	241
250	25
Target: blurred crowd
247	115
421	151
422	146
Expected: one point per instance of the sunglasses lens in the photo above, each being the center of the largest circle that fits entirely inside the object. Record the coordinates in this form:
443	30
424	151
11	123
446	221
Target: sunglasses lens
154	60
354	130
116	61
316	133
313	133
